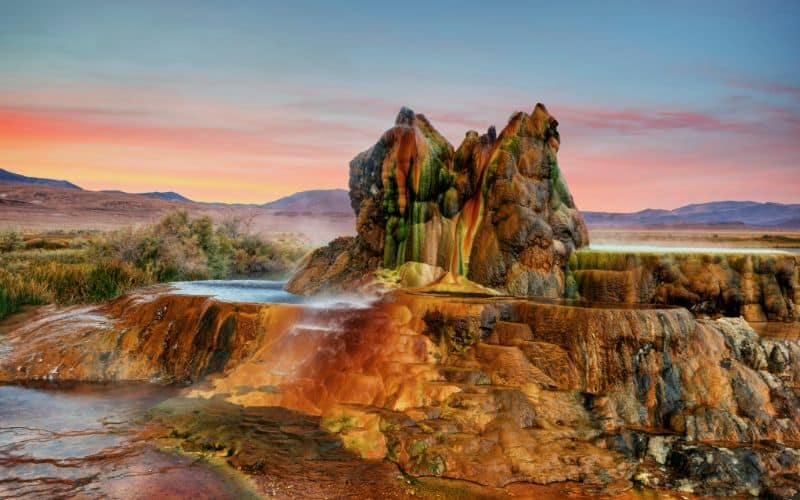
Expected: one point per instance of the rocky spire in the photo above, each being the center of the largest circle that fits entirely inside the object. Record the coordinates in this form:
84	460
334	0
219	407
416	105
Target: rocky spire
496	210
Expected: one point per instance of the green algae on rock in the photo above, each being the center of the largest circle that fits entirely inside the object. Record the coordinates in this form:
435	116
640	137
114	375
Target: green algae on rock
497	210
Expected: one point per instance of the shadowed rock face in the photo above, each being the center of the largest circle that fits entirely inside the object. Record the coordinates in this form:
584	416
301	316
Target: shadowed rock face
491	390
496	210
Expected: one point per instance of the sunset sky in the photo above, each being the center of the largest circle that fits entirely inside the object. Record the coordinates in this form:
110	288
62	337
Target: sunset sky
659	105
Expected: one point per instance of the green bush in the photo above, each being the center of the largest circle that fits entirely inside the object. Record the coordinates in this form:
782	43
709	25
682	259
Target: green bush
70	268
11	240
180	248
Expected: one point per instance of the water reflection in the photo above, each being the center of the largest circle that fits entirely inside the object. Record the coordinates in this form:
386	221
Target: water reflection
79	440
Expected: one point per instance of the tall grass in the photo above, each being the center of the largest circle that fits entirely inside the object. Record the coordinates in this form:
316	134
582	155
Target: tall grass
16	290
81	268
56	282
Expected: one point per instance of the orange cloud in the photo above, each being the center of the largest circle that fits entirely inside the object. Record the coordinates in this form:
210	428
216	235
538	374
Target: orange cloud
207	163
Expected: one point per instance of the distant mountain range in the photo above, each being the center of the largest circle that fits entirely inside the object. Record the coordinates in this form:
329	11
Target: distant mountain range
717	213
334	201
337	201
161	195
6	176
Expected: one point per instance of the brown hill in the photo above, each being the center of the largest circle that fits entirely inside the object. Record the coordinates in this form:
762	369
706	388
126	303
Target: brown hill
31	207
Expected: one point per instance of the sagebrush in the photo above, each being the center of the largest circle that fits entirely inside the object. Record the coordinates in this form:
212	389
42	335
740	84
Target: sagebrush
91	267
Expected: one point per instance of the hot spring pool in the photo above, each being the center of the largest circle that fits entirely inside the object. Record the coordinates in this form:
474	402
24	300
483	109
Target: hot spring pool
265	292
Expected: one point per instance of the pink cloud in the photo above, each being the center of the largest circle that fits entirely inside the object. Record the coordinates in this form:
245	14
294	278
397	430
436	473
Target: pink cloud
635	121
613	159
765	87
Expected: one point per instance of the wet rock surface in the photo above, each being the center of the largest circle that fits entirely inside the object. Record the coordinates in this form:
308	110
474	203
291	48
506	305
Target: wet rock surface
88	441
498	391
149	336
496	209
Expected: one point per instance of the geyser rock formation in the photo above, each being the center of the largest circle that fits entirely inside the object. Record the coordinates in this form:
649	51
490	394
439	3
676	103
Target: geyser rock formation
496	210
494	391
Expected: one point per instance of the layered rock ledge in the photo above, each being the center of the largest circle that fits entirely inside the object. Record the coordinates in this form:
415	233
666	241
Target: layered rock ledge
758	287
489	390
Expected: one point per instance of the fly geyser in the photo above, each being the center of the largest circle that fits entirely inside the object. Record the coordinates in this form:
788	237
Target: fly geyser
496	210
631	378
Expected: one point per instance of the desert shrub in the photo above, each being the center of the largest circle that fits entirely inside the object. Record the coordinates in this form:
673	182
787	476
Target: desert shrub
11	240
254	256
181	248
91	267
79	242
25	257
171	250
47	243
